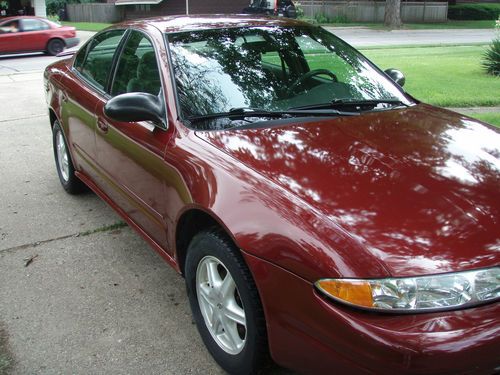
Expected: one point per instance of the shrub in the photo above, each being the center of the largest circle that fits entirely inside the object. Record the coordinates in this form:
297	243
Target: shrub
340	19
491	58
53	6
474	11
321	18
299	9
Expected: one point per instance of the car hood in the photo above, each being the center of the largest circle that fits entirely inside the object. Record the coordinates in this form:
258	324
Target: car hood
418	187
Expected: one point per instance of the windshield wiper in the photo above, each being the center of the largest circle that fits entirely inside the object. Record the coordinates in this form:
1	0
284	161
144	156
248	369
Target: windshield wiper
237	113
245	112
340	103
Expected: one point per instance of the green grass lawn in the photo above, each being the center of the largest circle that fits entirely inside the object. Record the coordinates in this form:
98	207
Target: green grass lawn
87	26
491	118
482	24
443	76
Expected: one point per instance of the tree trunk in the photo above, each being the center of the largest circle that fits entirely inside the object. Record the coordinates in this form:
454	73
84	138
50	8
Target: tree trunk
392	17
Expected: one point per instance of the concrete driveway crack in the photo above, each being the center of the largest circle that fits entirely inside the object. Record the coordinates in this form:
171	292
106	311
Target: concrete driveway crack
106	228
24	118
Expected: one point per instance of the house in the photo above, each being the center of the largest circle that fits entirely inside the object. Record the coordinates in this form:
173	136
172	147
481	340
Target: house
150	8
22	7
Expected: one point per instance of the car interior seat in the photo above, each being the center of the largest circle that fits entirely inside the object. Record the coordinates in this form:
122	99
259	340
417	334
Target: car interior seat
127	70
148	77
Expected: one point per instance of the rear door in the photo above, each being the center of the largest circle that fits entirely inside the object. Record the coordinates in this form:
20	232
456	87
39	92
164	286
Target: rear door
34	34
130	155
81	94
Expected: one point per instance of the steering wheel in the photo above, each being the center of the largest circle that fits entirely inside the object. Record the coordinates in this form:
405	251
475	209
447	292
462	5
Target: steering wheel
316	72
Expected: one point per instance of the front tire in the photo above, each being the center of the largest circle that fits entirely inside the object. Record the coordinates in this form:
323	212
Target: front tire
55	46
64	165
225	303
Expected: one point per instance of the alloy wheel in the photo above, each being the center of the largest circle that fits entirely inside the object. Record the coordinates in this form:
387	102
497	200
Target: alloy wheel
221	305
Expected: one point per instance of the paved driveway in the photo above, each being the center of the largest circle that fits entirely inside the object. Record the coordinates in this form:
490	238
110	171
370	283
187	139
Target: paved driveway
96	299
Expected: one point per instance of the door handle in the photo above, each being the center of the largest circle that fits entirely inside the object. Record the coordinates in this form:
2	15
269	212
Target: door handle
102	125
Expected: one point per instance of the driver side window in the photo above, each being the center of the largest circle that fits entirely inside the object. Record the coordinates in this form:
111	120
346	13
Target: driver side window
10	27
137	69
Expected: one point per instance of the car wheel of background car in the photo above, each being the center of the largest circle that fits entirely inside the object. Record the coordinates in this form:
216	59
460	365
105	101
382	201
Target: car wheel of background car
225	303
55	46
64	165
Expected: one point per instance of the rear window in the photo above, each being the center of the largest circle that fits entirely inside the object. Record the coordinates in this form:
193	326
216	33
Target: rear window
94	62
34	25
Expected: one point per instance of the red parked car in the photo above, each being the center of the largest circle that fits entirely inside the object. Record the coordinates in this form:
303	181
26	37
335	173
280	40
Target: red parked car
319	214
35	34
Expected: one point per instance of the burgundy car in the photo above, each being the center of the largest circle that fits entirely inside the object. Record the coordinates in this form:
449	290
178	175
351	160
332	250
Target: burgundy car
320	215
35	34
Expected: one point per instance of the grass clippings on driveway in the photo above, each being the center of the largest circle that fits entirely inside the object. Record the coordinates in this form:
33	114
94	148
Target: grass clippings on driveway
443	76
5	356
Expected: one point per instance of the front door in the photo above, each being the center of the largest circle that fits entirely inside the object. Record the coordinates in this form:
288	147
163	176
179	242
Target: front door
10	37
130	155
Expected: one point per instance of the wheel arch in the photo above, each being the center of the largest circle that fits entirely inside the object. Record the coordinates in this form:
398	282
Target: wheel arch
52	117
191	222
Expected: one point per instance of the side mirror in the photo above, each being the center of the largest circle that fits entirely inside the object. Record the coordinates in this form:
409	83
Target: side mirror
136	106
396	76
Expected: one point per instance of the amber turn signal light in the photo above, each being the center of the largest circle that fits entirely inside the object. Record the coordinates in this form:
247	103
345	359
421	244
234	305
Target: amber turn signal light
354	292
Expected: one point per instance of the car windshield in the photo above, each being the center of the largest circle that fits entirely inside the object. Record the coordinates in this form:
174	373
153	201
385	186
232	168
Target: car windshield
274	69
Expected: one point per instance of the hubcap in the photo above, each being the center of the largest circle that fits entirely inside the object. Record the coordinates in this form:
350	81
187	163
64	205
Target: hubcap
57	47
62	157
221	305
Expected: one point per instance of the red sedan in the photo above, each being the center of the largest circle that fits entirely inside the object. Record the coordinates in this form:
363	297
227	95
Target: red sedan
35	34
319	214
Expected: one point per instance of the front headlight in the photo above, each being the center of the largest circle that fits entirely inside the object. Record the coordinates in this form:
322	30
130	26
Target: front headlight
413	294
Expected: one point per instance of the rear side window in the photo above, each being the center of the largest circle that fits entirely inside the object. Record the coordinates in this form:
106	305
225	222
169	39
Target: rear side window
34	25
95	61
137	67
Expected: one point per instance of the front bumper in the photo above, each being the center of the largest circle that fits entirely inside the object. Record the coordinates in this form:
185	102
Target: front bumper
313	335
71	42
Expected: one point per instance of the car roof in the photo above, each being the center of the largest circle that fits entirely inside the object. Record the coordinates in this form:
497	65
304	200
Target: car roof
18	18
11	18
172	24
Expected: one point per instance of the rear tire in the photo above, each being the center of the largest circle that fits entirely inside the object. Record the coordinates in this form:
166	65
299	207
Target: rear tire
55	46
64	164
225	303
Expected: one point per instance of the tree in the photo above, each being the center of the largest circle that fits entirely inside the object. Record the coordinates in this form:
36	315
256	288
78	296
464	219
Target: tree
392	17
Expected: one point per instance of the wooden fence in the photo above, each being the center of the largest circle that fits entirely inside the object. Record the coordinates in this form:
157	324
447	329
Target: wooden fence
94	12
373	11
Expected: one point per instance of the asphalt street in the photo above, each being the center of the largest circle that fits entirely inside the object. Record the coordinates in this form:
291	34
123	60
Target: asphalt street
356	36
364	37
34	62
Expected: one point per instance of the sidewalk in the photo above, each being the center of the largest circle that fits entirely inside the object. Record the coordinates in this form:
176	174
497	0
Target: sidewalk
471	110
